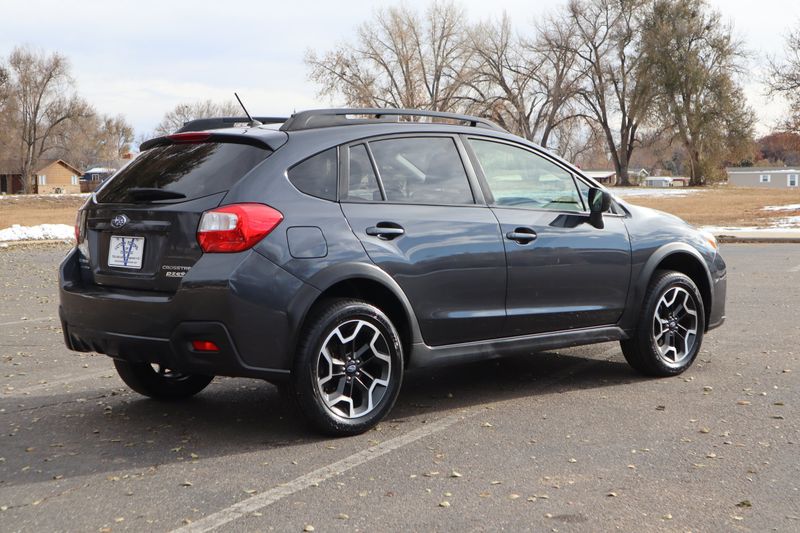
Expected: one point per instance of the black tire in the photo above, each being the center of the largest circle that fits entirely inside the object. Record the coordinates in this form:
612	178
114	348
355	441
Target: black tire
144	379
310	366
642	350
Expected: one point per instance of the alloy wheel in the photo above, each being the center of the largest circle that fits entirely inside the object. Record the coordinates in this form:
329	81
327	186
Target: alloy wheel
675	326
353	369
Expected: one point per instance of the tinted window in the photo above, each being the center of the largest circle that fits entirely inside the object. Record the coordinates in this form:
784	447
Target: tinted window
422	171
362	183
317	175
190	170
521	178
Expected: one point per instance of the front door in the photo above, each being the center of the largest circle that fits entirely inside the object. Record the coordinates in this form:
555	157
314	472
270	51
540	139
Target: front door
563	273
410	202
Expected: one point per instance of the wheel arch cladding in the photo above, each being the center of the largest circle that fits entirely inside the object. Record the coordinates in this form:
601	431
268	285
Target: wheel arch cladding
693	266
379	295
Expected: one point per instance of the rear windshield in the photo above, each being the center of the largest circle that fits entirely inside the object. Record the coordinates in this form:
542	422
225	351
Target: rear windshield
179	172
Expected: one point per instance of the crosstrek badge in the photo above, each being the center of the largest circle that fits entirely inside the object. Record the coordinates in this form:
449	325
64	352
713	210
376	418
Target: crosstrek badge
126	252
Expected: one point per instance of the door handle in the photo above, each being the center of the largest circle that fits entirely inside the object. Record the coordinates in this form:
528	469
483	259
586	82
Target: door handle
521	235
385	230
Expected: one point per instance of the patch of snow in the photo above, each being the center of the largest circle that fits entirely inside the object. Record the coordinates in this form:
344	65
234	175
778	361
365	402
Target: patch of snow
733	230
788	222
631	192
787	207
61	195
60	232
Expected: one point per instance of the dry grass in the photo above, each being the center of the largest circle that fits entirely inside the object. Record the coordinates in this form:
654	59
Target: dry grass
717	206
725	206
32	210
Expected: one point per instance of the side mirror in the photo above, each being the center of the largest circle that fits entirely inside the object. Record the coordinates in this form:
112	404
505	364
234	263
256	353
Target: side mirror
599	202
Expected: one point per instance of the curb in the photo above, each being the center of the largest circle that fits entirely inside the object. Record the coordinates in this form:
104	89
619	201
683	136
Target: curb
730	239
5	245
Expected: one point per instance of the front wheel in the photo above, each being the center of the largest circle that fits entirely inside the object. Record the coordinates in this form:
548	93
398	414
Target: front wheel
159	382
348	368
670	329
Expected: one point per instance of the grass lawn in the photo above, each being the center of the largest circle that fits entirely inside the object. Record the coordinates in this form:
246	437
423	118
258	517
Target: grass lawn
724	206
33	209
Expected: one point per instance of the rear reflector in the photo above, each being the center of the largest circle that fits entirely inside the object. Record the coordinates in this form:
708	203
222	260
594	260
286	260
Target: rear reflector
236	227
204	346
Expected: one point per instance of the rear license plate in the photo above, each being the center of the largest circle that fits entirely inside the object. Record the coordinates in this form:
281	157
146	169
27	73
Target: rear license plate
126	252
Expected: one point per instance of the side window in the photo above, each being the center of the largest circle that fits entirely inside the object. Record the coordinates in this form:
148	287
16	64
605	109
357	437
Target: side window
317	175
584	190
362	185
520	178
422	170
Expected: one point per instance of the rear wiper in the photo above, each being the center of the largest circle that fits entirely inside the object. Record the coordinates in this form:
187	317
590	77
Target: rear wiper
140	194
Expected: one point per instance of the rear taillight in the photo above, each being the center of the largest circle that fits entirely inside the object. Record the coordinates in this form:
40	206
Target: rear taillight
80	226
236	227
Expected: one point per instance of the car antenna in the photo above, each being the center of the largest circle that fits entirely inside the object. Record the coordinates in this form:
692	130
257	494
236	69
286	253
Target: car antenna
253	122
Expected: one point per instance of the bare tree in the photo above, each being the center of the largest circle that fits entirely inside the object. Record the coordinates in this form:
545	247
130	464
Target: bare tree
525	86
695	59
44	97
617	92
399	59
784	78
6	130
182	113
94	140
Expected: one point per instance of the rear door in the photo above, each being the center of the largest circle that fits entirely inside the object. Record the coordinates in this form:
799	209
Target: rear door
420	218
563	273
141	226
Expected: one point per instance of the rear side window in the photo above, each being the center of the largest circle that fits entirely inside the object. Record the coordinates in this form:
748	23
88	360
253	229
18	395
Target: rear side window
317	175
179	172
422	170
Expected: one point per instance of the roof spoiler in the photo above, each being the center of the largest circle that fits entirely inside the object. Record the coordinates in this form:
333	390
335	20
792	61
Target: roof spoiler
322	118
216	123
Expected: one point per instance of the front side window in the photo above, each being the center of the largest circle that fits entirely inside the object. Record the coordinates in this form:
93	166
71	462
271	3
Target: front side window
520	178
765	178
422	170
792	180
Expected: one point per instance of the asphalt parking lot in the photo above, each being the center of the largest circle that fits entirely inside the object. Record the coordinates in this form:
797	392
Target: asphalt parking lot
571	440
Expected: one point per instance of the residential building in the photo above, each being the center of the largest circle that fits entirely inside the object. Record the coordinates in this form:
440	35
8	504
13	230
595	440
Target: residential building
766	177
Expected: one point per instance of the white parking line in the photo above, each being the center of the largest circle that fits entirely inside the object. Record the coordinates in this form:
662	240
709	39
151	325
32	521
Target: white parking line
315	477
44	319
237	510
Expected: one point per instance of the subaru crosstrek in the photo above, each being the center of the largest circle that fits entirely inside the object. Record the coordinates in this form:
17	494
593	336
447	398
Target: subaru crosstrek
330	253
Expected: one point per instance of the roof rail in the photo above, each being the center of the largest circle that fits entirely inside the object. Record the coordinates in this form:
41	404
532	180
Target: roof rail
322	118
215	123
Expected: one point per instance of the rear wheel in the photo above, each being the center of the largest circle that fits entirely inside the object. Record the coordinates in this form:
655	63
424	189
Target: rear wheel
670	329
159	382
348	368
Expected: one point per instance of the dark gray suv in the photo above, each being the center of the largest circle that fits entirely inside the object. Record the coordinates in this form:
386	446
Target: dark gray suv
330	253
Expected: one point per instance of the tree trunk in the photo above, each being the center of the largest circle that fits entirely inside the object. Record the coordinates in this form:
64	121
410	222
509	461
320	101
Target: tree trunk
695	170
623	177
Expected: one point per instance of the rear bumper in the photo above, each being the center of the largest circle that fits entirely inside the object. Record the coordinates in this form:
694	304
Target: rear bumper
244	303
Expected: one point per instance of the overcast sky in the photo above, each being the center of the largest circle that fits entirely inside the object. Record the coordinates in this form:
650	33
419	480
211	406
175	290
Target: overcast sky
141	58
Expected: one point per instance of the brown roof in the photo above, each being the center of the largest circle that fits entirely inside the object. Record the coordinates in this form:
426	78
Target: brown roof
13	166
9	166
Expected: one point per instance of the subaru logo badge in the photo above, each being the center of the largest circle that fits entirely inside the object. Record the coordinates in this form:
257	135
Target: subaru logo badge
119	221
